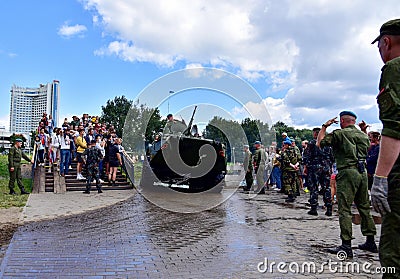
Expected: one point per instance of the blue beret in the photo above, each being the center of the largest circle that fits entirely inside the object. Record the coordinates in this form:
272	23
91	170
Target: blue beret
257	142
286	141
18	140
347	112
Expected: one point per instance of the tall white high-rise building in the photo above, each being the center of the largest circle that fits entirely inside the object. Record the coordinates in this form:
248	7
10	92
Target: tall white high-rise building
29	104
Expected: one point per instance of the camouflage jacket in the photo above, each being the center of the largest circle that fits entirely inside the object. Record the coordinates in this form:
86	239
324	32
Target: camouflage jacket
289	156
15	156
314	156
349	145
93	156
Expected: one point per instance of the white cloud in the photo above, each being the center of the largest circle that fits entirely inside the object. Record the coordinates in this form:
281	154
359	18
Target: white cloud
9	54
211	33
5	122
68	31
270	111
316	54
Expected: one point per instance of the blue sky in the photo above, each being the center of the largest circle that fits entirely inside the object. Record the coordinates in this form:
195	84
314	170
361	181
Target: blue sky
308	60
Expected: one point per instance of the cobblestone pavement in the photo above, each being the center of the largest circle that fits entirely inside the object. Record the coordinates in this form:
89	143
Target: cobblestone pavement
136	239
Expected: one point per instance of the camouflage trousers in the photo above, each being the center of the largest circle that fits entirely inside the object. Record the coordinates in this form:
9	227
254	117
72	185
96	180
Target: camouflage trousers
389	244
353	186
319	176
290	181
92	173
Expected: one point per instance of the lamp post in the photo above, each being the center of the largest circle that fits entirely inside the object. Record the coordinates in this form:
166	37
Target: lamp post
170	92
2	136
233	155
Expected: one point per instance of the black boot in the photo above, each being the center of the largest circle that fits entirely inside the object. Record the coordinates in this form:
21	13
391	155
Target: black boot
99	189
369	245
113	183
23	192
290	198
328	210
12	192
313	211
343	251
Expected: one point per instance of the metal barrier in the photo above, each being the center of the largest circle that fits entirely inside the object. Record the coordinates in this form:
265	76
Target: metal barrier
128	166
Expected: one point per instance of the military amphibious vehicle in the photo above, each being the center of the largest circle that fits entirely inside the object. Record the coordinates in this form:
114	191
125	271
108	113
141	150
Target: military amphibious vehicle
187	163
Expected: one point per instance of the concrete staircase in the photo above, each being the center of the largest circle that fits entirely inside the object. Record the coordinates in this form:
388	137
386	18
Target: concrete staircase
72	184
51	181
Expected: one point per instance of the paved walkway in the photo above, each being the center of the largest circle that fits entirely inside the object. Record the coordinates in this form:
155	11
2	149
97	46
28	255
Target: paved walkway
136	239
49	205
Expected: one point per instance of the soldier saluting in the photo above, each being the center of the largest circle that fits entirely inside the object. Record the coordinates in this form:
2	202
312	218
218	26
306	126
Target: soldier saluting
350	146
14	166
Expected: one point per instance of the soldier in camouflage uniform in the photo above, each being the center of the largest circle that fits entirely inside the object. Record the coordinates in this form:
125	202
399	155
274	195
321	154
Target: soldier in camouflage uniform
299	181
289	166
385	191
14	166
92	157
248	168
350	146
259	166
318	164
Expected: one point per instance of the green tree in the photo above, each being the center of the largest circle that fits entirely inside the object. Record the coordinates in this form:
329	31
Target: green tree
280	128
228	132
141	124
155	124
14	136
33	134
298	134
115	111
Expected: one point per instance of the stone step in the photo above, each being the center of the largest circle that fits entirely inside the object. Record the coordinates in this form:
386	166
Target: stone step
82	187
72	184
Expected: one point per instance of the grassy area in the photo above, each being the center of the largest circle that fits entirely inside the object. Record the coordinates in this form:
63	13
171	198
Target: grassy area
7	200
138	172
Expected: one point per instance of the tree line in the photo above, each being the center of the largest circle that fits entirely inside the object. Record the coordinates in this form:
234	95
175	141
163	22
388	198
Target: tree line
138	124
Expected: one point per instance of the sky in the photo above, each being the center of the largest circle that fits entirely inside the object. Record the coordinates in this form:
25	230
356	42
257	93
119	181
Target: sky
307	59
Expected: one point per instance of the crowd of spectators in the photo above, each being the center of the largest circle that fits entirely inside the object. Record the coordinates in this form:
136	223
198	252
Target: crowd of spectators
59	146
282	165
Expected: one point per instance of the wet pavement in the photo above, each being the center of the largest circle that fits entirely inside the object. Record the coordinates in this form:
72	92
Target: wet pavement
136	239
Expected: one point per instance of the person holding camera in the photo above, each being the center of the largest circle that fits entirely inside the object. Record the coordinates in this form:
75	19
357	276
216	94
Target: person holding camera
350	146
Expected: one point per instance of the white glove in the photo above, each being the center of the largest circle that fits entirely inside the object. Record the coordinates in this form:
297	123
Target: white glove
379	193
